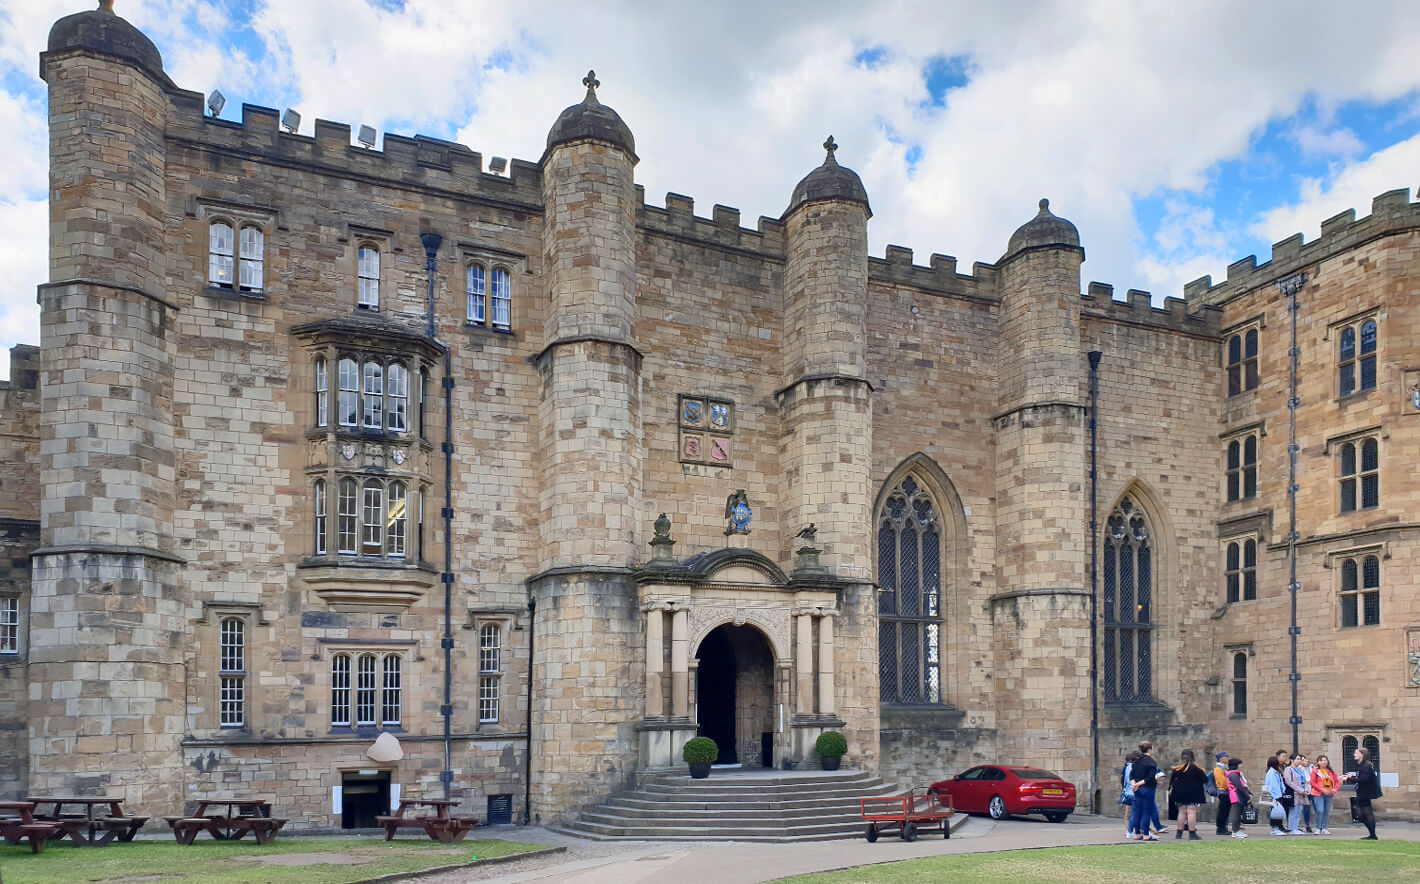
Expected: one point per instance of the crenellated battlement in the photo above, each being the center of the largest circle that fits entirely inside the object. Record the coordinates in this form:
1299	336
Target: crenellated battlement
24	368
420	161
896	267
1137	308
678	219
1391	212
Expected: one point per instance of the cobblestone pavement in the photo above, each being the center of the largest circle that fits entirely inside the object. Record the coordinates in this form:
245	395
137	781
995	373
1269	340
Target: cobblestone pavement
627	862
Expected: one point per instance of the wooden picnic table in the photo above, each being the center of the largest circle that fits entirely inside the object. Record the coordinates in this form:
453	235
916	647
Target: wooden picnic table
18	823
86	828
441	826
228	819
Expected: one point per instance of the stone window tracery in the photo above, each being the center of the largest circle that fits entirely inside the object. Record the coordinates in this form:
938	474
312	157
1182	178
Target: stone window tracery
1242	468
1242	570
1240	684
322	408
1353	360
1242	362
368	277
373	393
1361	592
377	695
490	299
235	255
909	600
1360	474
1128	605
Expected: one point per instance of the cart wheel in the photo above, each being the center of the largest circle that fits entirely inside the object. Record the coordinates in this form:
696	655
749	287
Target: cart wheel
946	828
872	833
909	831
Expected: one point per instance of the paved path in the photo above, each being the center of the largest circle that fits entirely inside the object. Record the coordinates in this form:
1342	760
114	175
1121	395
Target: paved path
629	862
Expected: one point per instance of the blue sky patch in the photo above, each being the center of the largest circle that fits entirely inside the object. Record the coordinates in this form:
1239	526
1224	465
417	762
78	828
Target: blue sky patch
943	74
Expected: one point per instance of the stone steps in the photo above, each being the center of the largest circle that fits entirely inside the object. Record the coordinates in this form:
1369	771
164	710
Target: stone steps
739	805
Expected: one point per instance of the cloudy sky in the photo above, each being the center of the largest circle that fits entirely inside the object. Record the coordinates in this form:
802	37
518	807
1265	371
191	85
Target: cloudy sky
1179	137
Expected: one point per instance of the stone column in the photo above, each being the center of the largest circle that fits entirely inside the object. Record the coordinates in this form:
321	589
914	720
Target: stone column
680	671
655	654
804	685
825	664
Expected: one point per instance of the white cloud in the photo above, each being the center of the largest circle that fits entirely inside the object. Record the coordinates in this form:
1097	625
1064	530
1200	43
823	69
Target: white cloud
1092	103
1351	187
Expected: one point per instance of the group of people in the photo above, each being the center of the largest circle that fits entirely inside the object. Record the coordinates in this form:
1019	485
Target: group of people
1302	793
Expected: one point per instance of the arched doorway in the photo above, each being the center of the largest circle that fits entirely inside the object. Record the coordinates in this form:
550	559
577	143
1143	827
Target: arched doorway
734	690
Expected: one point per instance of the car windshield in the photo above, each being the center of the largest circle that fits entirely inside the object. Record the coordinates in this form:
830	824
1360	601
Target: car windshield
1030	773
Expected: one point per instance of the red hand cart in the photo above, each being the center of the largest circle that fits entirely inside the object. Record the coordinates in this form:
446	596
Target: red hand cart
921	810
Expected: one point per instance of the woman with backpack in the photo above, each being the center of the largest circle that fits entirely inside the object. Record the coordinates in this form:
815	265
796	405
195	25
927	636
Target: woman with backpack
1239	795
1186	785
1298	780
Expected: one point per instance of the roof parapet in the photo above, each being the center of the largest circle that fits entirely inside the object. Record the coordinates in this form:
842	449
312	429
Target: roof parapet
1391	212
941	276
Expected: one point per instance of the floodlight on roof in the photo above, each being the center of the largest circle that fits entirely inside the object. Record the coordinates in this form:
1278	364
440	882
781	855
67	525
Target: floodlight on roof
291	121
366	136
216	101
496	165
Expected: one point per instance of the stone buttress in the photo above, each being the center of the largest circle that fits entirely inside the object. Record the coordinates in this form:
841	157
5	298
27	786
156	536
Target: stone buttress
107	697
588	629
1041	610
827	417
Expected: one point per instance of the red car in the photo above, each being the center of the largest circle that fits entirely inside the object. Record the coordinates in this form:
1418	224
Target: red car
1003	789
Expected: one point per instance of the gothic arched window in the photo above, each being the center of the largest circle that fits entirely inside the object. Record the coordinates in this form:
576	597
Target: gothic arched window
1128	606
909	603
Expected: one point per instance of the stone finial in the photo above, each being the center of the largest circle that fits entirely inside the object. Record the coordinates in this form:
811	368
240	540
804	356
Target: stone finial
830	145
661	543
106	6
1044	206
591	82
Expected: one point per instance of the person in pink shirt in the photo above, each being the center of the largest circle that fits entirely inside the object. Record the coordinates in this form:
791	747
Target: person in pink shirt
1325	784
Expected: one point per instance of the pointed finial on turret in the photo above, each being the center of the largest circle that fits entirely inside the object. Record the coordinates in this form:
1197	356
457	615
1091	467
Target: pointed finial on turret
830	145
1044	206
591	82
106	6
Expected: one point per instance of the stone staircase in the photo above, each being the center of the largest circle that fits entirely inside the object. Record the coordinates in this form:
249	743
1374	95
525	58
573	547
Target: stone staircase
735	805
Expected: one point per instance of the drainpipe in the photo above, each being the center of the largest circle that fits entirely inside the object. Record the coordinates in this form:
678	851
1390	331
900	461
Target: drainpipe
527	752
1094	584
431	242
1289	287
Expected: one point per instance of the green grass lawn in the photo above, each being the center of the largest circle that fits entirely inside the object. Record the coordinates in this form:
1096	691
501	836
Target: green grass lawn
294	860
1254	860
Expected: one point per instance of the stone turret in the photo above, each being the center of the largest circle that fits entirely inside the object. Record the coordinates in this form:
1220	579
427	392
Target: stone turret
106	663
1041	611
591	455
827	419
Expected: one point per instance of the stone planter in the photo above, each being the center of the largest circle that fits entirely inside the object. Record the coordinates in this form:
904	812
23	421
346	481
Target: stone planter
699	770
832	762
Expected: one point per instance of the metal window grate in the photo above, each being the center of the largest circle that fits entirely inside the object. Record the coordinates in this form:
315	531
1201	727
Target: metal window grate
910	597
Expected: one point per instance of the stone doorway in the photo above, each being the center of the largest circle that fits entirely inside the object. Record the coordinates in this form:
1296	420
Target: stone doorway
734	690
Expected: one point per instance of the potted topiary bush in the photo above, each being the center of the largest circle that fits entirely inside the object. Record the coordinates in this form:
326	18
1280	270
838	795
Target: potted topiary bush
831	747
700	753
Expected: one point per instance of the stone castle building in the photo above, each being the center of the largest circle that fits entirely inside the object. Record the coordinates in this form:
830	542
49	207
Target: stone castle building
316	433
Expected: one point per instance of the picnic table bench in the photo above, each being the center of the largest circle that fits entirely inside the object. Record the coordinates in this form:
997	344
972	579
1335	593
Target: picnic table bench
86	828
441	826
241	815
22	825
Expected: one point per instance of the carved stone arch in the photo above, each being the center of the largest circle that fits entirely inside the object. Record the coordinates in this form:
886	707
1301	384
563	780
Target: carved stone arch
764	621
955	565
1163	547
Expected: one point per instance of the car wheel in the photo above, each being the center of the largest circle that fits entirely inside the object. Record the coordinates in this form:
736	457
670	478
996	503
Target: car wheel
872	833
1056	817
997	808
909	831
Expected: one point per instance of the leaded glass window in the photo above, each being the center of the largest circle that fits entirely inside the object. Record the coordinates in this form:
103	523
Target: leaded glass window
909	600
1127	609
